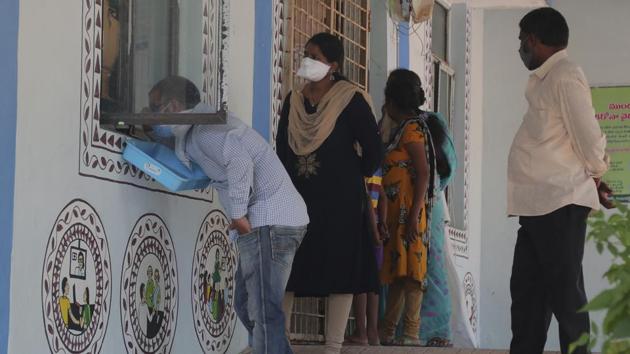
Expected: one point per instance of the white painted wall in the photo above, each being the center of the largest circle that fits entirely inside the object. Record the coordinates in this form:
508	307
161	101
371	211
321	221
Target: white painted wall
47	151
503	104
379	59
474	201
600	43
240	65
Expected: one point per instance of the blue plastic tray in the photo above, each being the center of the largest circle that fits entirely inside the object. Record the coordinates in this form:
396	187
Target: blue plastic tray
161	163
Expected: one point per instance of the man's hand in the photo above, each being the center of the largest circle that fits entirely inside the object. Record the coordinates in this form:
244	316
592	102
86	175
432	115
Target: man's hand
604	192
241	225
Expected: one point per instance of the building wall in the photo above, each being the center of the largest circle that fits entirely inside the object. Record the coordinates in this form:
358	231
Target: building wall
47	169
599	43
382	52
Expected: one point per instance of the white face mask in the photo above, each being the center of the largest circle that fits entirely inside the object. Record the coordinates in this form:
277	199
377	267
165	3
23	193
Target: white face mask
313	70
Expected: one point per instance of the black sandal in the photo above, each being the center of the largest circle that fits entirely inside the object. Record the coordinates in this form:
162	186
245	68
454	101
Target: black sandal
437	342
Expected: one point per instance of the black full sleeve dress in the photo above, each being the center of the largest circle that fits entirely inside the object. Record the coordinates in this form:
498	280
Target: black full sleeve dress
337	253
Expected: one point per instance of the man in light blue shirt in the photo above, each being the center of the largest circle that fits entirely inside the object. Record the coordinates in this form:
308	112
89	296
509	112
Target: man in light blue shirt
268	215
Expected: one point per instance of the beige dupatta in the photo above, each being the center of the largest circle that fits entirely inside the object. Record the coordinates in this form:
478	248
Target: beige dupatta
307	132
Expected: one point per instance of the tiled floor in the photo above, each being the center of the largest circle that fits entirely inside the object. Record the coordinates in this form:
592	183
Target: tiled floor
313	349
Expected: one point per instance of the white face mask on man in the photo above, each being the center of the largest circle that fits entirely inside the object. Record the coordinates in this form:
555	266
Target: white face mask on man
313	70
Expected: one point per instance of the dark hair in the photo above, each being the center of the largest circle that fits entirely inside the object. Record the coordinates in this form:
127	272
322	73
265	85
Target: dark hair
439	134
87	293
332	48
548	25
64	282
404	90
179	88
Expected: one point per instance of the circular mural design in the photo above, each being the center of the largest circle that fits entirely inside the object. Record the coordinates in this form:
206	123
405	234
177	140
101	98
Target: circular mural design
471	300
76	281
148	288
214	266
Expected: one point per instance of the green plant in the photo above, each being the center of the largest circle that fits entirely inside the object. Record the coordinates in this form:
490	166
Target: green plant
611	233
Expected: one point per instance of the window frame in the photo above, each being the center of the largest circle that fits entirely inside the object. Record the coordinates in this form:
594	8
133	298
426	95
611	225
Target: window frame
450	72
127	121
447	38
100	150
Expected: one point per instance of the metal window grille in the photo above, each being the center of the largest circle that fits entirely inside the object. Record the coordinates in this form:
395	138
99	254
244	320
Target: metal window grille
347	19
308	320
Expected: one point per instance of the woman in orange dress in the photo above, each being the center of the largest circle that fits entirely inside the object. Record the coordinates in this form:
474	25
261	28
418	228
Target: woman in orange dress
408	181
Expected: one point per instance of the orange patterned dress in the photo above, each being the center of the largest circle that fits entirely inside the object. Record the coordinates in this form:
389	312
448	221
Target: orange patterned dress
400	258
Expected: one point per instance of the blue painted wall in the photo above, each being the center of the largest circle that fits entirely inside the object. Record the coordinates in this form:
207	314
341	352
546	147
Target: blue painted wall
8	117
261	108
403	45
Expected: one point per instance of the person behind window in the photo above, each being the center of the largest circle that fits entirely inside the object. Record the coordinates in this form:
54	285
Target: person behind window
268	215
409	175
319	126
554	169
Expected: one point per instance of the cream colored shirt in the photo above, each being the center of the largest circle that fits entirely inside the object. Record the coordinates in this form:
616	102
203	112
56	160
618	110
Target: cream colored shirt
559	146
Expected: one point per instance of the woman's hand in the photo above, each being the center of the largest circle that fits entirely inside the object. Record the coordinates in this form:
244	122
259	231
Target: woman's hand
383	231
412	231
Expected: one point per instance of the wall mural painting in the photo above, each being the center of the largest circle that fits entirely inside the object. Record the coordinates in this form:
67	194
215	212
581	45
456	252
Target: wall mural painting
470	296
277	56
149	288
214	266
76	281
459	245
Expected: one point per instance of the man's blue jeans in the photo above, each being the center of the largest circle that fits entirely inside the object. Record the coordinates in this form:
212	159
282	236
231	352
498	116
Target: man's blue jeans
265	258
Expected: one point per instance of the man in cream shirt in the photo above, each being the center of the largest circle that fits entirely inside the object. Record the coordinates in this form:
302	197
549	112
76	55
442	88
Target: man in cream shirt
555	163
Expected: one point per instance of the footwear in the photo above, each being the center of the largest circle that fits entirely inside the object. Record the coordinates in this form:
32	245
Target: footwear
408	342
437	342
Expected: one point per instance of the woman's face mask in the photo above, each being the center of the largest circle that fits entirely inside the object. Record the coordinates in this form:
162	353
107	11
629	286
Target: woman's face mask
313	70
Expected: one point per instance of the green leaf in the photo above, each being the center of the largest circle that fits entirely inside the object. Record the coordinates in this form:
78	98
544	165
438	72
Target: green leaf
601	301
622	329
582	341
613	316
598	214
619	346
613	249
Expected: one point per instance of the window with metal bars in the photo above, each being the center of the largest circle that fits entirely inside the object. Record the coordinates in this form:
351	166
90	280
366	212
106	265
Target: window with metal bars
347	19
